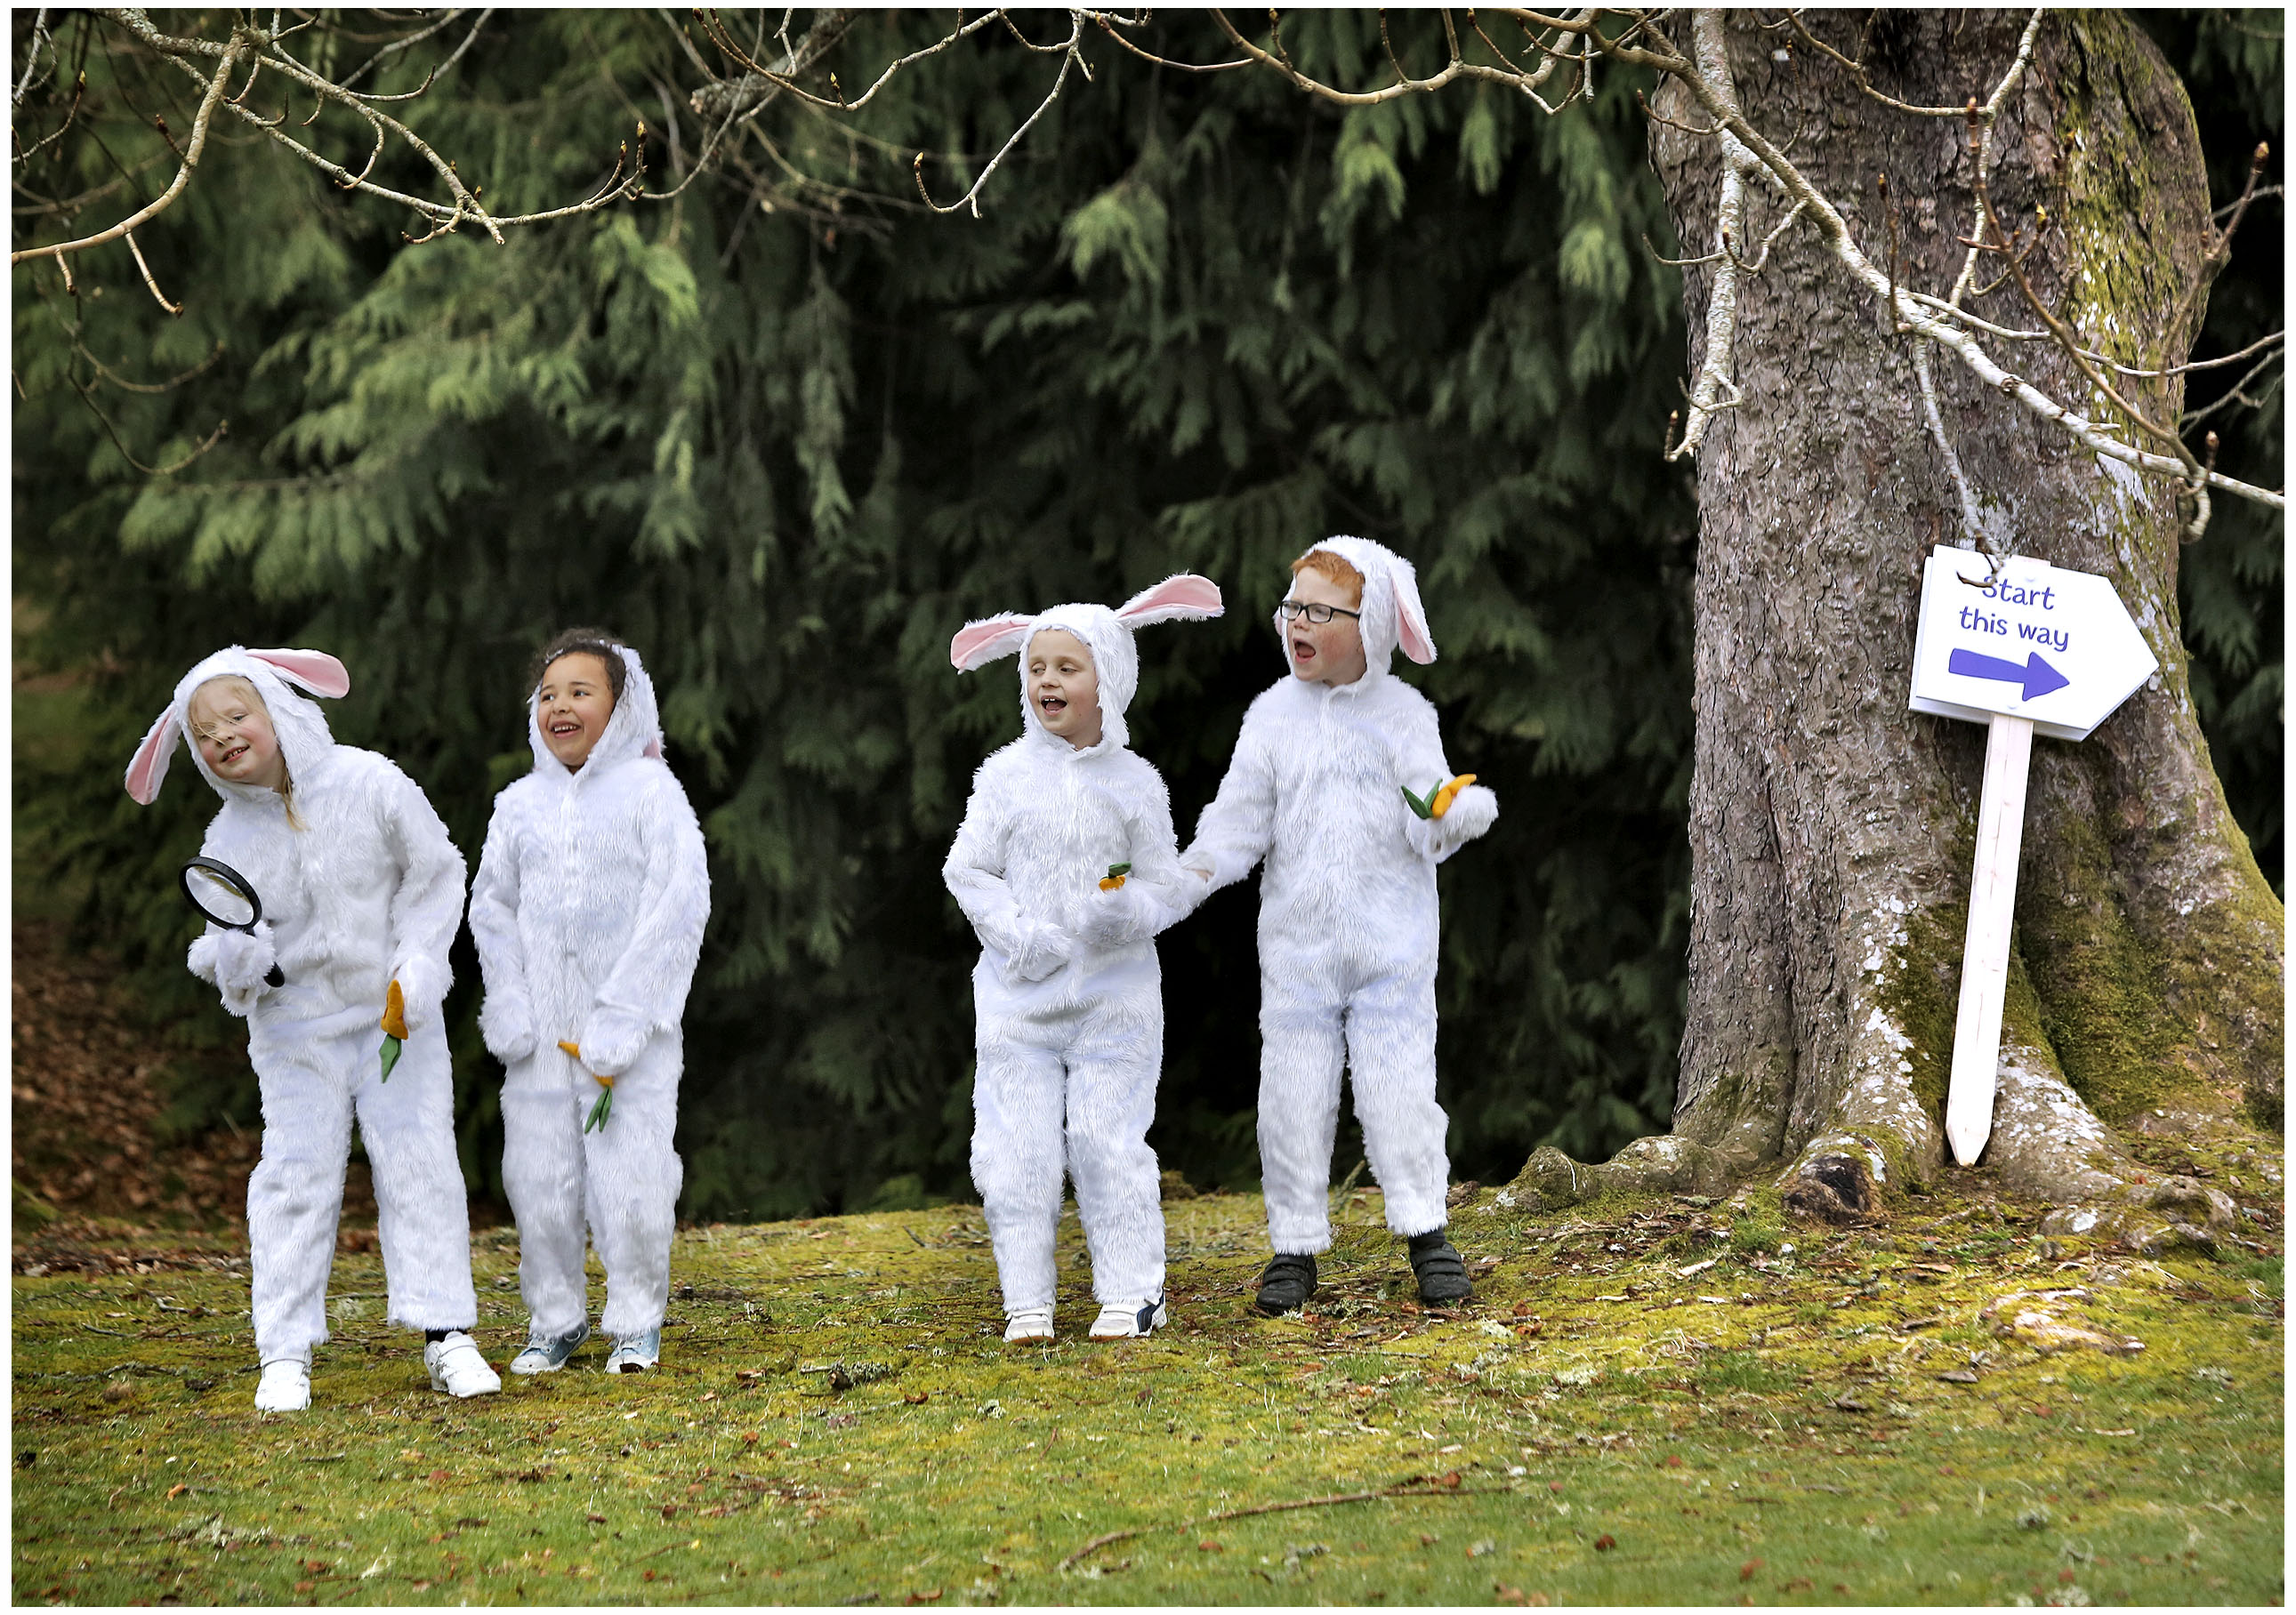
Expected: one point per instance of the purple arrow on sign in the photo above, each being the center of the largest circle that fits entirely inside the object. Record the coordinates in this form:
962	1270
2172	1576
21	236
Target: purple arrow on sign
2037	676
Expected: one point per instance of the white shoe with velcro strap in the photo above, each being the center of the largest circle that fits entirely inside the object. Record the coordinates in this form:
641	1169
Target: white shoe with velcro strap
1129	1320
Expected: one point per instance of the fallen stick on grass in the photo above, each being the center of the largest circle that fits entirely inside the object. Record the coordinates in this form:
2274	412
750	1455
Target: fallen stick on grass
1409	1488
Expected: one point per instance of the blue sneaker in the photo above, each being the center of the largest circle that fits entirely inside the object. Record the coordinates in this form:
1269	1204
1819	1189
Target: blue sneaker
545	1356
634	1354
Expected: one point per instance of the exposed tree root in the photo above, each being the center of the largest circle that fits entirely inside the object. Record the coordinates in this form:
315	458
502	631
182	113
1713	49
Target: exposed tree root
2046	1145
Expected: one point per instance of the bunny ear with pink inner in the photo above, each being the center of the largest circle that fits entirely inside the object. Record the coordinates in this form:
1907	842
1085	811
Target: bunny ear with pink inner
978	643
1410	618
315	670
1184	598
149	765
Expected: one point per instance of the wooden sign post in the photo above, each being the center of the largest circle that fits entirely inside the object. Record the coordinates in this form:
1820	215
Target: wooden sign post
2081	656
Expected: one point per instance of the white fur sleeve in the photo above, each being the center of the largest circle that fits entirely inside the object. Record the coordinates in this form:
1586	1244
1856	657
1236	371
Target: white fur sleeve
1419	759
645	992
1236	831
202	959
427	909
506	1012
1156	861
974	873
1157	893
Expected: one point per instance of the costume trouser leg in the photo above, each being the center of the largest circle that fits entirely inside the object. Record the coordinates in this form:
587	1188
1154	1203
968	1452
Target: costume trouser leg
1111	1098
1017	1113
542	1175
634	1175
622	1179
1300	1054
1390	1026
312	1087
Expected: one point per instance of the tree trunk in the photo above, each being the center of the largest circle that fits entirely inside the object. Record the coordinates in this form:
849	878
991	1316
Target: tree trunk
1832	829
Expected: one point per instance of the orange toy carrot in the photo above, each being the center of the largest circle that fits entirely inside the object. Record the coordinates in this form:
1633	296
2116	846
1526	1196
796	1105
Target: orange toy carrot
1441	804
394	1026
605	1105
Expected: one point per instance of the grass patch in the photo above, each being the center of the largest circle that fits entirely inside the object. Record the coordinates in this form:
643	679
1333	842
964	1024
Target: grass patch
836	1421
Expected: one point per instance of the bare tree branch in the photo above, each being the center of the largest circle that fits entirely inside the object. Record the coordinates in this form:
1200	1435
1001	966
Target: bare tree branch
1070	55
158	205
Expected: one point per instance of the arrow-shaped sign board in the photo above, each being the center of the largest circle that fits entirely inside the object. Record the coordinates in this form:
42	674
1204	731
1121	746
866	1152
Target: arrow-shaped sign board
2031	641
2024	649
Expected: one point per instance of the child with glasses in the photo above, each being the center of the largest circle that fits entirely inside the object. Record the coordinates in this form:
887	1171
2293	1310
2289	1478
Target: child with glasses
1339	783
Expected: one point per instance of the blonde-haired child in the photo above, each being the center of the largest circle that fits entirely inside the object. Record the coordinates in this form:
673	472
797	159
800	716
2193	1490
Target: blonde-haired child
1065	867
589	910
361	890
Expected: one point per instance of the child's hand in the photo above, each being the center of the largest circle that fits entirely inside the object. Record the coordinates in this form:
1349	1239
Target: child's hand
612	1042
1043	949
423	985
1119	915
243	959
509	1038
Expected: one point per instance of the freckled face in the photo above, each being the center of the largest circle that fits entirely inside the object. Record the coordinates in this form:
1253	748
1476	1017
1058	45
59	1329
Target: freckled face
572	706
233	730
1064	687
1330	652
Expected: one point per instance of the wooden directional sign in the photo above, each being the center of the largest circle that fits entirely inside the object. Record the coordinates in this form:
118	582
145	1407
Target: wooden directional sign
2034	641
2024	649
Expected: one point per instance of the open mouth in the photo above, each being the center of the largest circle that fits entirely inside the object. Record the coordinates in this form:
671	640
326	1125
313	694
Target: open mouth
1301	651
1052	706
564	728
232	756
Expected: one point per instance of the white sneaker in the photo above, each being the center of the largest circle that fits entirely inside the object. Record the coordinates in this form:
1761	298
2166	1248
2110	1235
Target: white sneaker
457	1367
1029	1324
285	1386
1129	1320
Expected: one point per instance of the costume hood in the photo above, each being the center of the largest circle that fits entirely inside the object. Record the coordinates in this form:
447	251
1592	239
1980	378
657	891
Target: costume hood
302	727
633	728
1392	617
1107	633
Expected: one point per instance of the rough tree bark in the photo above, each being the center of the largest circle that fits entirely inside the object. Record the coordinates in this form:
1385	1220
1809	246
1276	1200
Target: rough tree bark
1831	829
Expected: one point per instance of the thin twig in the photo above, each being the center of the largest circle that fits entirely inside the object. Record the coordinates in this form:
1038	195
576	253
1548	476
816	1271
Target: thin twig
1070	56
1417	1487
174	189
161	296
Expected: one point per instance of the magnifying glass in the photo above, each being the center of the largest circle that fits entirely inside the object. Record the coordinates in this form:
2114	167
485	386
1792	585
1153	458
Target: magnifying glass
227	898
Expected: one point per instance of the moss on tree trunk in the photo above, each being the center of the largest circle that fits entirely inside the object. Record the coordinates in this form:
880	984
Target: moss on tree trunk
1831	829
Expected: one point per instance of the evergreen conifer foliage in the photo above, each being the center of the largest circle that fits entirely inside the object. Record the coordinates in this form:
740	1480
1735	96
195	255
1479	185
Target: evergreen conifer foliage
785	436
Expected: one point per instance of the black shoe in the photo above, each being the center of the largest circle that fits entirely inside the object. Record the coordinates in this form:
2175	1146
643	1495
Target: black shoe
1442	1273
1286	1284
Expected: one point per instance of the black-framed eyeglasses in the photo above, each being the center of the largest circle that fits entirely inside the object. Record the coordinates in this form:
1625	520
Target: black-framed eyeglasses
1314	612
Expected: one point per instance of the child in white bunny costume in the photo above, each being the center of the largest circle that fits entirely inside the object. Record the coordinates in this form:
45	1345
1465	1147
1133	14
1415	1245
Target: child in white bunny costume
589	911
1068	999
1349	922
360	888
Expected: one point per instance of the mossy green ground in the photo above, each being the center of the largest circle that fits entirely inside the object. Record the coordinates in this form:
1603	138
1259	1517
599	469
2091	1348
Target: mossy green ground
1647	1402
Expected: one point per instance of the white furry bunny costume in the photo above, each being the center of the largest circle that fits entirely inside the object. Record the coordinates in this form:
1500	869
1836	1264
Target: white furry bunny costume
369	890
1068	1000
1349	923
589	911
